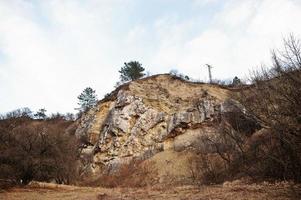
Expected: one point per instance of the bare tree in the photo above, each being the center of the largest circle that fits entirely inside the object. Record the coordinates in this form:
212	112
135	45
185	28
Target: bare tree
37	150
275	101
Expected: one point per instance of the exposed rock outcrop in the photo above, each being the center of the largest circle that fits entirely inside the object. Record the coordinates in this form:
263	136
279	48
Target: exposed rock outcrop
149	116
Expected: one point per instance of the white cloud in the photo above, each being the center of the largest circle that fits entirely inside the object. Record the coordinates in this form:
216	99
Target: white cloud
205	2
52	50
49	66
239	38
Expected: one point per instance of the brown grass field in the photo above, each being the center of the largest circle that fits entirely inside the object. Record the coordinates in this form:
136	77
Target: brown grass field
235	190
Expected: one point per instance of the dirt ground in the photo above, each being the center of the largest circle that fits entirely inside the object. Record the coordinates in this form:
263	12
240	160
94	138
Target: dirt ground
236	191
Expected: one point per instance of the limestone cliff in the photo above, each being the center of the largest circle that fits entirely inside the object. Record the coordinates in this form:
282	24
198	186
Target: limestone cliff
159	115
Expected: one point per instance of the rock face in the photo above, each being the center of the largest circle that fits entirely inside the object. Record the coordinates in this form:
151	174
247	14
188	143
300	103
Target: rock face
149	116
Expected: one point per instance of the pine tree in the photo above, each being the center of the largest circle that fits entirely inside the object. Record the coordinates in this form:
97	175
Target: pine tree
87	99
131	71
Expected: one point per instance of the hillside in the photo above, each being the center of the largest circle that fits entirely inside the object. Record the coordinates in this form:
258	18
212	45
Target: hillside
160	137
159	118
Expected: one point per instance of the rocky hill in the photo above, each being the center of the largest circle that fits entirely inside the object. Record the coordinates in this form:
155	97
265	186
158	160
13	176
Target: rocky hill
159	118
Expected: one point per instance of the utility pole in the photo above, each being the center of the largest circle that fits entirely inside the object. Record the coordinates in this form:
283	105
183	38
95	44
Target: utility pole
209	72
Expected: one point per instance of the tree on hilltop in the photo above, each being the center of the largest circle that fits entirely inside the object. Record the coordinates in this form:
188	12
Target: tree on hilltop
131	71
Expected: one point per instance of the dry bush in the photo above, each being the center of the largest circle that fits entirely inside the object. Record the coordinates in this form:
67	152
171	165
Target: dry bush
275	101
272	103
36	150
206	169
228	154
219	157
135	174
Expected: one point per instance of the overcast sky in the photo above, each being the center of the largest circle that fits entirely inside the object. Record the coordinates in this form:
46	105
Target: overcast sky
50	50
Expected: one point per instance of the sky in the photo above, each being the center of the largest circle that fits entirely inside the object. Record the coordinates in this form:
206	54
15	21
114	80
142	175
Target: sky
50	50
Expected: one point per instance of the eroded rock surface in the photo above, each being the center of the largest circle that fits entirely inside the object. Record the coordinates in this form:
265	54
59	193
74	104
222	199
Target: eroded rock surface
148	117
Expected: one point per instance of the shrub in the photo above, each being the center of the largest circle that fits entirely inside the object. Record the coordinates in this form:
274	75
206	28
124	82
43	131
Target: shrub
137	173
206	169
36	150
272	104
275	101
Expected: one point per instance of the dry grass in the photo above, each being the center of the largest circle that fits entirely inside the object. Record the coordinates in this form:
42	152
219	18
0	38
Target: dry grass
136	173
235	190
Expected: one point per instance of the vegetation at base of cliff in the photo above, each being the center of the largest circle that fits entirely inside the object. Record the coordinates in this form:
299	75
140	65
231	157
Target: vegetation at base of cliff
273	153
136	173
276	102
36	149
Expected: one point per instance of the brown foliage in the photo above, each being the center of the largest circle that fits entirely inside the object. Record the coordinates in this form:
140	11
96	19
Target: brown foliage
274	102
36	150
207	169
135	174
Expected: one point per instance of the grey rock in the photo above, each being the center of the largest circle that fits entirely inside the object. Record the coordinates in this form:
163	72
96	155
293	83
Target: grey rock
136	130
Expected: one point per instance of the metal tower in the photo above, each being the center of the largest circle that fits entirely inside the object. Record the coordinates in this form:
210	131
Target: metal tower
209	71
